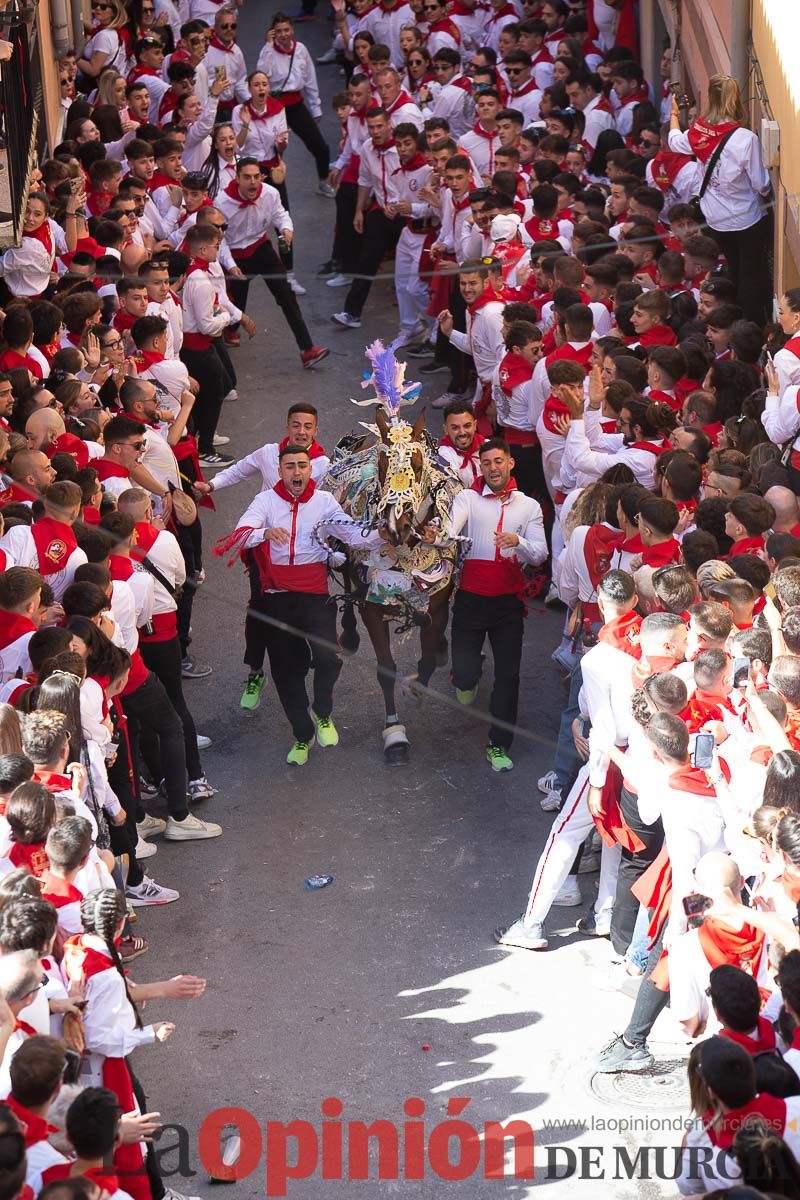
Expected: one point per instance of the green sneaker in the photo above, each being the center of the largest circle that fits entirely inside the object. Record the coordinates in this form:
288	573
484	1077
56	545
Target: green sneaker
498	759
327	733
251	696
466	697
298	755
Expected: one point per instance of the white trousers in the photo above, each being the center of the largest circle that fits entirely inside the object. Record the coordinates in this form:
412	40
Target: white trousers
413	296
570	828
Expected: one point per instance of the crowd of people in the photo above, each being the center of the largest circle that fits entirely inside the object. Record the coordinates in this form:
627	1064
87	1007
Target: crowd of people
587	264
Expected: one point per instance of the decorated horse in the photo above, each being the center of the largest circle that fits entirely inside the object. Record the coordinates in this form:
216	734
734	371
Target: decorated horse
394	474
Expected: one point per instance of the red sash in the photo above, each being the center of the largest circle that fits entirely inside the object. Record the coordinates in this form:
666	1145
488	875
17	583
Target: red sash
611	824
704	138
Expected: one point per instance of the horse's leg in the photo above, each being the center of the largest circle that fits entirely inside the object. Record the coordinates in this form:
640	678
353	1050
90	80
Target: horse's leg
349	640
395	741
432	636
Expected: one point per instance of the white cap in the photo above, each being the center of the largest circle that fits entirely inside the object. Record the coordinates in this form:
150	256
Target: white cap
504	226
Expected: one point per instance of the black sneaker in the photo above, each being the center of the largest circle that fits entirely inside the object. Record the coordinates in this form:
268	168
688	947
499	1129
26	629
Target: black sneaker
617	1057
419	350
432	368
329	268
212	459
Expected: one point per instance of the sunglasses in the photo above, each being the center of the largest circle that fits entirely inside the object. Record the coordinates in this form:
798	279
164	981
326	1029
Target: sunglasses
134	445
235	25
514	70
99	7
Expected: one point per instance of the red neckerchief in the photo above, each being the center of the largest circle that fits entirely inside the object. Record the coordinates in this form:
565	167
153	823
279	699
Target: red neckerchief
685	505
487	296
655	448
542	229
764	1040
160	179
168	104
691	779
12	358
525	90
722	1130
232	190
13	626
35	1129
281	490
479	484
273	107
748	545
621	632
145	536
292	47
220	45
55	542
582	355
659	335
467	456
599	545
489	134
197	264
662	554
123	321
107	469
553	409
460	81
313	451
514	370
414	164
32	856
24	1027
657	396
402	98
704	138
446	26
704	707
460	205
741	948
120	566
43	235
139	72
146	359
75	447
666	166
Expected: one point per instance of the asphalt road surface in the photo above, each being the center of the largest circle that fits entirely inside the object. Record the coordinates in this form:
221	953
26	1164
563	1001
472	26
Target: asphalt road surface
386	985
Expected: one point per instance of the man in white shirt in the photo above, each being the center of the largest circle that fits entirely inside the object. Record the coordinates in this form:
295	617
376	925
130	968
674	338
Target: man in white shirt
223	52
505	529
377	192
481	289
454	102
584	92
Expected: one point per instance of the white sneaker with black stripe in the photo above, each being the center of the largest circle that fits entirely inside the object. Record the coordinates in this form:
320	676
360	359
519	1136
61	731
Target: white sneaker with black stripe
150	892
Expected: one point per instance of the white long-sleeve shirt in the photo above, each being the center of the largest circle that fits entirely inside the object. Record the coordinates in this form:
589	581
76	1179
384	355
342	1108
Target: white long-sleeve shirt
377	171
202	311
385	27
479	515
248	223
781	416
262	132
287	73
235	69
483	339
735	196
198	136
455	105
589	464
597	120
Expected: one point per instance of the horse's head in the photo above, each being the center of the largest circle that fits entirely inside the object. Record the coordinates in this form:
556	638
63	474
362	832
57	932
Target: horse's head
403	474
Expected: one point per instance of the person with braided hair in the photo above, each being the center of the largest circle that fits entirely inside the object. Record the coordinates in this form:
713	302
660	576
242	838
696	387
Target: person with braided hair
112	1025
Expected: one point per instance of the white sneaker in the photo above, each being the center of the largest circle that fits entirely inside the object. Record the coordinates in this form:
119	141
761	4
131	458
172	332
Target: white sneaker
445	399
325	189
548	782
191	829
347	319
145	849
150	892
569	895
329	56
150	826
550	801
171	1194
219	439
339	281
231	395
203	742
295	284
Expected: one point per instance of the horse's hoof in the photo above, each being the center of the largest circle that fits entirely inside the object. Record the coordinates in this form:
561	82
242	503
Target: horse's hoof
349	642
396	756
395	746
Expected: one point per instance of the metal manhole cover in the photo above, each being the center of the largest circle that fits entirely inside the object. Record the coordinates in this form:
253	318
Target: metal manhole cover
665	1085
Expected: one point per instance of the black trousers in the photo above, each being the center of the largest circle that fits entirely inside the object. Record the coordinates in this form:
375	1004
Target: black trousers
121	775
631	868
164	660
749	255
256	631
152	718
345	239
227	364
206	367
301	122
500	619
380	234
461	365
266	263
291	656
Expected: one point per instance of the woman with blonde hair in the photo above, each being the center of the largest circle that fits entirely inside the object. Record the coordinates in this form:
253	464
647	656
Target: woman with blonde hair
10	736
734	191
107	47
